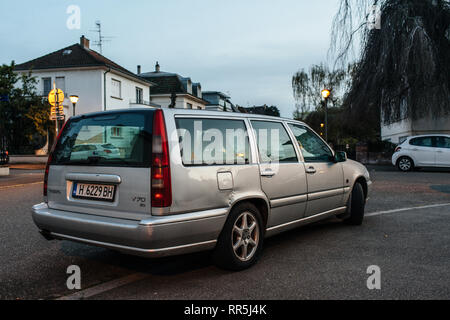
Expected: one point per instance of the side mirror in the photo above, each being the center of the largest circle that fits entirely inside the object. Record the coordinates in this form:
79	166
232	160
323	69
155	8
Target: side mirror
340	156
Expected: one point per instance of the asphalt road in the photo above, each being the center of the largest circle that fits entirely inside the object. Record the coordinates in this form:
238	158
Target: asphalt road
326	260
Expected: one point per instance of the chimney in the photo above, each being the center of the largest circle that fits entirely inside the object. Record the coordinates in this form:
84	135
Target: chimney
157	67
138	69
84	42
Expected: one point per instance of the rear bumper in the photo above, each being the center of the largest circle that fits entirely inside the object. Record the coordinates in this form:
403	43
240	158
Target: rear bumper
153	237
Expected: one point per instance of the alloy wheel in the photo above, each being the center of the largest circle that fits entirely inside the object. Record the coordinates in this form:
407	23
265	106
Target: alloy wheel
245	236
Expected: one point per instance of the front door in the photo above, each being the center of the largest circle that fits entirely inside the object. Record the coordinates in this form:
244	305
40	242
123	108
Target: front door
325	177
283	177
422	151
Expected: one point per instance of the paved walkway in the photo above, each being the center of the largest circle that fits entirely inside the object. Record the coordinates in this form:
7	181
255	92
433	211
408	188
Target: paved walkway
27	159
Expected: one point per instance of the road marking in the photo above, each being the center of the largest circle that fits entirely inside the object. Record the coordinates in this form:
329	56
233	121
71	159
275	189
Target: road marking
21	185
372	214
104	287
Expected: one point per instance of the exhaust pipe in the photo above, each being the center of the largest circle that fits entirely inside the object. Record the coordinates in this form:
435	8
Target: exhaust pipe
47	235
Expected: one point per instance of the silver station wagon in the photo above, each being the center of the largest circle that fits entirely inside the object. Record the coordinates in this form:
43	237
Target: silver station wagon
181	181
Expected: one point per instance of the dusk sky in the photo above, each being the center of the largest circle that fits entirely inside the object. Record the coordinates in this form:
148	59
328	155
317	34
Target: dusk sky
249	49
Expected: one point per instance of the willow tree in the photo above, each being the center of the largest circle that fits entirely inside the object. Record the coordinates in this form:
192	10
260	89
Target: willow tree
403	55
307	87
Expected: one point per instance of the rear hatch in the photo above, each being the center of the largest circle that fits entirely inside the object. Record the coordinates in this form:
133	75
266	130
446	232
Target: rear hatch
101	165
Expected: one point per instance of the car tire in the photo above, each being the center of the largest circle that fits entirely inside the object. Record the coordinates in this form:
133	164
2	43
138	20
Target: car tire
405	164
241	240
356	205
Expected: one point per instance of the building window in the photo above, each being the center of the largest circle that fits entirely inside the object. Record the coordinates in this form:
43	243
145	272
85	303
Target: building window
47	86
116	132
116	89
139	95
189	105
61	83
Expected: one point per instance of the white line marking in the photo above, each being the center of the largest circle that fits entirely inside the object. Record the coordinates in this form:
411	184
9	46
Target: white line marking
372	214
20	185
104	287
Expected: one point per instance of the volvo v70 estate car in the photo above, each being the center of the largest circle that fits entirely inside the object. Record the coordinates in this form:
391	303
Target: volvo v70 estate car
184	181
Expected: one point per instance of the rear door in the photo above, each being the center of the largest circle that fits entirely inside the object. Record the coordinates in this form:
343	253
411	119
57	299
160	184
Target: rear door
422	151
443	151
117	185
283	177
325	177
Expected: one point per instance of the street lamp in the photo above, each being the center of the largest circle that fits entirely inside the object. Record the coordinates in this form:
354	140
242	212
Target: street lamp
74	100
326	94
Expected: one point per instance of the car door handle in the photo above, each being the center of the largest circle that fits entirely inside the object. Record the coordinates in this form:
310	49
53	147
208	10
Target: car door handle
311	170
267	173
439	151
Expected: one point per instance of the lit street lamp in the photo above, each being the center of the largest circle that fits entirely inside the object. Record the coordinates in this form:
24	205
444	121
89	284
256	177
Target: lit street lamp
74	100
326	94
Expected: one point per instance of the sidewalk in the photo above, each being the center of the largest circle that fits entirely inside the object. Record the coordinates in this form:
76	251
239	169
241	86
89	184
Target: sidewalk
24	159
27	162
19	177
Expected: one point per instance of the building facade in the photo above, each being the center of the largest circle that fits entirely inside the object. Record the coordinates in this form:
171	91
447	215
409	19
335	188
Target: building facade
174	91
100	83
218	101
398	131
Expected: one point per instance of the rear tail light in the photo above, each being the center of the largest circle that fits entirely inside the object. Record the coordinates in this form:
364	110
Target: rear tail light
398	149
107	151
161	181
49	160
7	153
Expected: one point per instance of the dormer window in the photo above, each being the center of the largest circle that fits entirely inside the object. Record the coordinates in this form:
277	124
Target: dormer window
189	86
67	52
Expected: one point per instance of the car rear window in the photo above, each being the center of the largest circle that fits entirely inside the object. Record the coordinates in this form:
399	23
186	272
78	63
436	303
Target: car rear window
116	139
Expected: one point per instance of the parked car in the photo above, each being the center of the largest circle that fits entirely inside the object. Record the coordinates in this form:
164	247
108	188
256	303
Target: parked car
431	150
83	151
195	180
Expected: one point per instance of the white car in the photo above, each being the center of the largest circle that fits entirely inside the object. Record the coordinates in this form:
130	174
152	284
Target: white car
83	151
432	150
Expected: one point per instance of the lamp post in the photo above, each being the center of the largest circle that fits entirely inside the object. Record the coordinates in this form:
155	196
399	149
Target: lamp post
74	100
326	94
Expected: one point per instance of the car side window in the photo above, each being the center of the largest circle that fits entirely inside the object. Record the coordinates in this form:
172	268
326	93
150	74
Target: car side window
422	142
274	143
312	147
213	141
443	142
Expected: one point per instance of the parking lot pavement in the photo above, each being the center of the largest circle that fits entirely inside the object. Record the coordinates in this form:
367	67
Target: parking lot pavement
20	177
327	260
394	189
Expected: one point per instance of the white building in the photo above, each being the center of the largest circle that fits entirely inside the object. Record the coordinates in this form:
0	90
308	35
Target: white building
398	131
171	89
218	101
100	83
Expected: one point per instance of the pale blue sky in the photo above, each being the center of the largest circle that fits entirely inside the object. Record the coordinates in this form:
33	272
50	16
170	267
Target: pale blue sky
249	49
